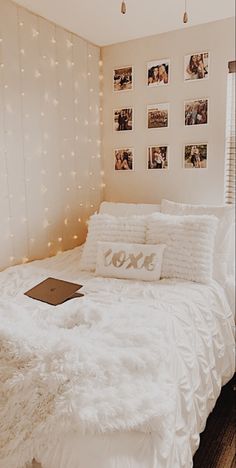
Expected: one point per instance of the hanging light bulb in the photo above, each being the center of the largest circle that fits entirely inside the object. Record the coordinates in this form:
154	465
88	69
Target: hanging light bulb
185	17
123	7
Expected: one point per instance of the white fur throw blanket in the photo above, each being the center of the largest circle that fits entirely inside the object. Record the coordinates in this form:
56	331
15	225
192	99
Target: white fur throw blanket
86	366
125	356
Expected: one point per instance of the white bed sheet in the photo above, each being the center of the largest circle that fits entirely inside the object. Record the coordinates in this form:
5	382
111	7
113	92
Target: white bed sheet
199	386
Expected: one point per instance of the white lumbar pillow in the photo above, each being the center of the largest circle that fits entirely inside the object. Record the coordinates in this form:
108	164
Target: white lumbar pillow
129	261
104	227
128	209
189	244
224	243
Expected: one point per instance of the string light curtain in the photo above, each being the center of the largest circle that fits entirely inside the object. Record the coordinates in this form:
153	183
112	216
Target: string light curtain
50	136
230	137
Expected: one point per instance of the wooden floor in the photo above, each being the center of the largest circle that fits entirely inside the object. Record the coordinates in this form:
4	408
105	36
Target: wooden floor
218	441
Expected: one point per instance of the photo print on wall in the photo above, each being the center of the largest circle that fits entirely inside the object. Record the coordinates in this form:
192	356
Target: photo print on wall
123	79
158	157
196	156
158	115
158	72
123	119
124	159
196	112
196	66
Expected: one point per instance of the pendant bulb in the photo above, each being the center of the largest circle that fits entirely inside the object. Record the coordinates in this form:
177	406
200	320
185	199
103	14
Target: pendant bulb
123	7
185	17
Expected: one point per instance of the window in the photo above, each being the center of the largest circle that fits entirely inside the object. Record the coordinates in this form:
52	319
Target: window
230	137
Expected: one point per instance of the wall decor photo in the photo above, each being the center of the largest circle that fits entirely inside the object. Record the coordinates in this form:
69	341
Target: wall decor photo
158	157
124	159
158	72
195	156
196	112
123	79
158	115
123	119
196	66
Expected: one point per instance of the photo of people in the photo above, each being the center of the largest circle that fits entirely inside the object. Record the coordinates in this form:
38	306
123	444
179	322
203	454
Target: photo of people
158	72
158	157
196	66
195	156
123	79
124	159
196	112
123	119
158	115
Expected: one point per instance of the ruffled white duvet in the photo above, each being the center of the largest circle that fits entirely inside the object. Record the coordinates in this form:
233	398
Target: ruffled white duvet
124	377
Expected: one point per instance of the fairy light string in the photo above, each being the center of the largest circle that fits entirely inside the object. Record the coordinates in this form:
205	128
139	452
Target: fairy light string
9	219
24	135
79	183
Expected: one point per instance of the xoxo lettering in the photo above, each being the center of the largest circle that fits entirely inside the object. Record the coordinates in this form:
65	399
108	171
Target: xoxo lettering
129	260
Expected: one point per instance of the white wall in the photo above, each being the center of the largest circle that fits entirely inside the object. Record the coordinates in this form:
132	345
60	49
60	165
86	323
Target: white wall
179	184
50	141
50	177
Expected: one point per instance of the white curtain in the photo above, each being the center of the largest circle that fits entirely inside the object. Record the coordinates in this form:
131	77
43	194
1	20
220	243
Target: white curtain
230	138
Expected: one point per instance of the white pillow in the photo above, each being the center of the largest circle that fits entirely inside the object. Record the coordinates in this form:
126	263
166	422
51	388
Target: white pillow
127	209
104	227
224	242
189	245
129	261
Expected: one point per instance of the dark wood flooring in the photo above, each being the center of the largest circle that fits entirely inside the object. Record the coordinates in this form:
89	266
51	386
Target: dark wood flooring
218	441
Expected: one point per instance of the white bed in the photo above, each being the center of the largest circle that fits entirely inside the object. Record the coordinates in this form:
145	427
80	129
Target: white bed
198	332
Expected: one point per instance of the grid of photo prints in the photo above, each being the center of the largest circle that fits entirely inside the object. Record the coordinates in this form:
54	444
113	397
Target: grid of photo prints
195	113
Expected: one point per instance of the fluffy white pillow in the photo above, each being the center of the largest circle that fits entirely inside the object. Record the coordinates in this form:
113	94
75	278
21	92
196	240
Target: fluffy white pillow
189	244
223	263
104	227
129	261
128	209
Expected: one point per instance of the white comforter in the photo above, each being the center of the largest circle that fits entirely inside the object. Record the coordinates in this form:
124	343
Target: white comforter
128	356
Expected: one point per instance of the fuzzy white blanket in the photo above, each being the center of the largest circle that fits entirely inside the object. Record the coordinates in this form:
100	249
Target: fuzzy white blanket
97	367
126	356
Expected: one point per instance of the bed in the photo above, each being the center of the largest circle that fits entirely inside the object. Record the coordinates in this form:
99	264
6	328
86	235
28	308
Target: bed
124	377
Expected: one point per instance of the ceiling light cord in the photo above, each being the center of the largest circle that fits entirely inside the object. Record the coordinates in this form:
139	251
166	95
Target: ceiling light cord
123	8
